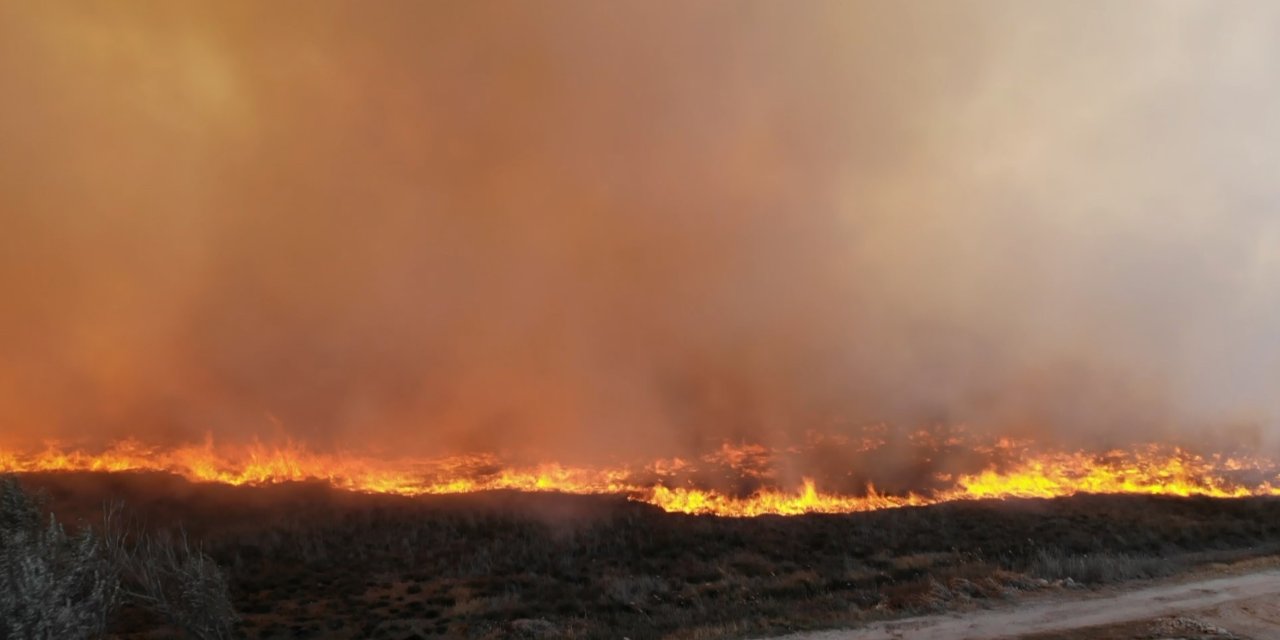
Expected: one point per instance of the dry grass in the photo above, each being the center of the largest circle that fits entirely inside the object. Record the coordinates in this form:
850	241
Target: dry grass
304	561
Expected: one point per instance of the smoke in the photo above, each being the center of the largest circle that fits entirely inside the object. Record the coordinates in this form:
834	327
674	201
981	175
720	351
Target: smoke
612	229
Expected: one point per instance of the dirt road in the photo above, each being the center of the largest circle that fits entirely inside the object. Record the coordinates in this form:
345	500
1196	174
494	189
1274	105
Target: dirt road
1243	606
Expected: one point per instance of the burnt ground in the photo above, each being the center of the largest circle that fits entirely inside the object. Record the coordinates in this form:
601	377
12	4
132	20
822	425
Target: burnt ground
306	561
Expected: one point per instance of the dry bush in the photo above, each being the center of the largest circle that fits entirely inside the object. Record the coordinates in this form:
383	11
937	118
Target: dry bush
180	584
56	586
51	585
634	590
1098	568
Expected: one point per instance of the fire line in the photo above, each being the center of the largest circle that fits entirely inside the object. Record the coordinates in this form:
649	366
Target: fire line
1146	471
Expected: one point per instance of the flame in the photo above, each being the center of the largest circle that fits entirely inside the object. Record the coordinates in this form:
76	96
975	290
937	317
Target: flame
1152	470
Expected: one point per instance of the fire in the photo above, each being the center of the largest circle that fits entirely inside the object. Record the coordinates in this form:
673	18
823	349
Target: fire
774	502
1151	470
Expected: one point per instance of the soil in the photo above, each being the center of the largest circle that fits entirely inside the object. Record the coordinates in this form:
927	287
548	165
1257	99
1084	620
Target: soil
1242	604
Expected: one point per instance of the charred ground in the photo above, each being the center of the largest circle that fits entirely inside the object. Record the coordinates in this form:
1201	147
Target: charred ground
308	561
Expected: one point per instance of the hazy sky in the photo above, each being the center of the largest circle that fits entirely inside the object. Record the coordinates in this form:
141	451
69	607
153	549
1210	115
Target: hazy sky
626	227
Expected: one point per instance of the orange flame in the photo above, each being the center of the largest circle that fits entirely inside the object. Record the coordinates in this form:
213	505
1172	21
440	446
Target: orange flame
1151	471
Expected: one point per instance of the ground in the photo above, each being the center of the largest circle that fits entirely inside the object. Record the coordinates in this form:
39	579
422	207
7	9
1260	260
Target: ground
1219	602
308	561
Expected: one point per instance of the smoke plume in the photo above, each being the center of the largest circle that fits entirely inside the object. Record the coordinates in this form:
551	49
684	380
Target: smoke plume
588	229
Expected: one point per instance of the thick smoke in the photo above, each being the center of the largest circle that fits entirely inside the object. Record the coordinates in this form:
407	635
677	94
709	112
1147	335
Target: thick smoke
612	229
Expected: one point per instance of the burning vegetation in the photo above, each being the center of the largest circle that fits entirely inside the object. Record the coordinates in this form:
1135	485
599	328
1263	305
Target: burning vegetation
657	262
731	481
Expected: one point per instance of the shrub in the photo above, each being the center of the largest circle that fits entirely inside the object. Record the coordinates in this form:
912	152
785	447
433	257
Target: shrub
1098	568
180	584
56	586
51	585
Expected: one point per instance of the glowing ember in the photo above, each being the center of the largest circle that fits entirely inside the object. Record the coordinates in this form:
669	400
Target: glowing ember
1150	471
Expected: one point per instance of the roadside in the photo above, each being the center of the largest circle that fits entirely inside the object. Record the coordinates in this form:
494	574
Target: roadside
1240	601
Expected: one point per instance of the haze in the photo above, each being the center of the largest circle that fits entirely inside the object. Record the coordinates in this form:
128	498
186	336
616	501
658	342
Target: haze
607	229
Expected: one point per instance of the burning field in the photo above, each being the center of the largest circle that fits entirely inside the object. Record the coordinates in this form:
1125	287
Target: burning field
578	319
346	546
748	476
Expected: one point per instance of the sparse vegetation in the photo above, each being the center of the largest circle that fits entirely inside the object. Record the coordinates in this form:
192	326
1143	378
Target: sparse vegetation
181	585
306	561
52	585
1101	568
59	586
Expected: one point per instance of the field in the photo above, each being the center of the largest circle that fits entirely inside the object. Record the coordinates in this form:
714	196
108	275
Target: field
305	561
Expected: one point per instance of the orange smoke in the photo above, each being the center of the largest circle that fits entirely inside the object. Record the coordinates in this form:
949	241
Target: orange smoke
1150	471
571	231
